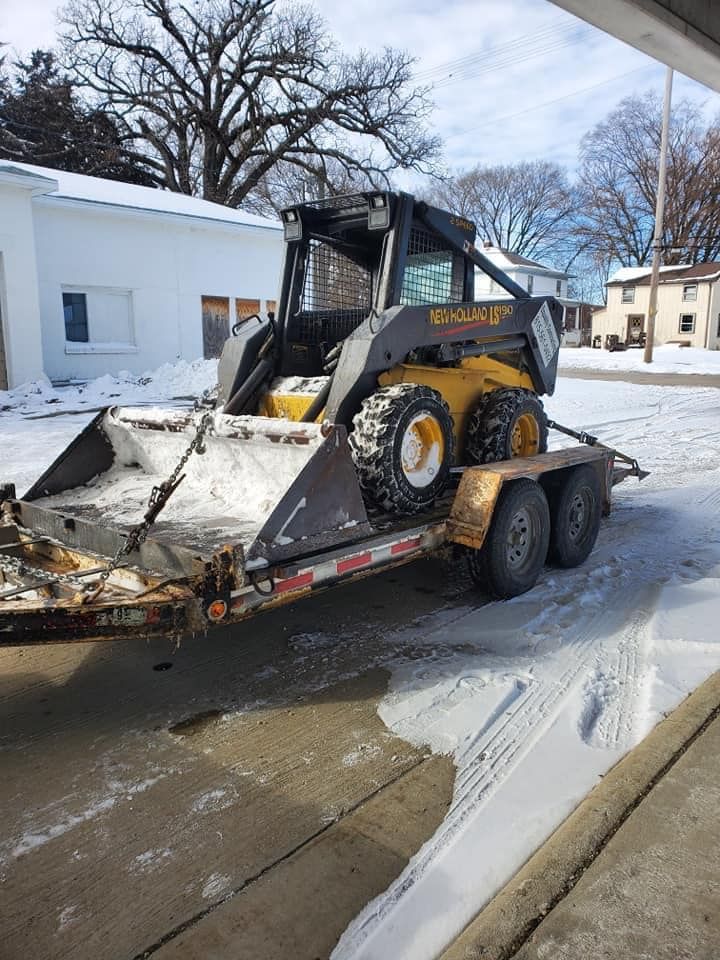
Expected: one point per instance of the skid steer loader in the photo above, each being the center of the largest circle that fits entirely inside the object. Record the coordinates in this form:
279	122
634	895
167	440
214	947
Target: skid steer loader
378	376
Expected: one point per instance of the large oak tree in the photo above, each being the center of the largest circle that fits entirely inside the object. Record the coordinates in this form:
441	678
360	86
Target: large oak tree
218	92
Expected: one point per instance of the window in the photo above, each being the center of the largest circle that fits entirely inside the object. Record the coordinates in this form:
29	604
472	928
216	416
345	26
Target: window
530	283
98	320
628	294
434	273
558	287
75	311
689	291
687	323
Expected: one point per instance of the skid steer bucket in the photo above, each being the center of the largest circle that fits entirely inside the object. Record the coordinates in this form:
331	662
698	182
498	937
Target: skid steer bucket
273	487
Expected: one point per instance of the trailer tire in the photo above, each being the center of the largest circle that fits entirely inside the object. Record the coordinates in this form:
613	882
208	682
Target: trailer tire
575	511
506	423
402	446
516	545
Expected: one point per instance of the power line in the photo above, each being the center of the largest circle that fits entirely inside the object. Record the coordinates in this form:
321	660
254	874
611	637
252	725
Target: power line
492	51
521	56
547	103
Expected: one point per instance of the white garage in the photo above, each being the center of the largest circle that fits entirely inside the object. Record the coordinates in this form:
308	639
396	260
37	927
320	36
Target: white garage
98	276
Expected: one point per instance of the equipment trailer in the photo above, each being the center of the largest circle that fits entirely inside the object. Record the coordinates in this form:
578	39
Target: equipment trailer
383	413
170	590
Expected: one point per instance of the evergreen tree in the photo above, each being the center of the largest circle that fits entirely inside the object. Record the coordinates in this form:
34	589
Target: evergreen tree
44	121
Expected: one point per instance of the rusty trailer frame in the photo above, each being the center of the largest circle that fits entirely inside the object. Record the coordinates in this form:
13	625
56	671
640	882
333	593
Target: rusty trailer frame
169	590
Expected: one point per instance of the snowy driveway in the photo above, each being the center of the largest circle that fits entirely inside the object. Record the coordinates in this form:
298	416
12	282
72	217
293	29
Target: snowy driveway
534	699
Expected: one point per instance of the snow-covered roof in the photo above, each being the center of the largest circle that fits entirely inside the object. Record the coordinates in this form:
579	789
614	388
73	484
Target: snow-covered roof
628	273
672	273
513	262
113	193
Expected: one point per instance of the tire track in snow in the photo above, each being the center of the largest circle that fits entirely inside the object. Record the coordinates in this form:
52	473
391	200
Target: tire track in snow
609	715
486	762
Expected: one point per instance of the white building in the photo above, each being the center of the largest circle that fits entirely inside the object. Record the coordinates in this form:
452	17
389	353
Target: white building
688	305
537	279
98	276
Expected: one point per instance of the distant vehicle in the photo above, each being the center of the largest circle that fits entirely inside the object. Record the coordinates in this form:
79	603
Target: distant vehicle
571	338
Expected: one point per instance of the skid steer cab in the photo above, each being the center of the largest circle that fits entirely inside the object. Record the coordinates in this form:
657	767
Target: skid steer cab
378	331
382	413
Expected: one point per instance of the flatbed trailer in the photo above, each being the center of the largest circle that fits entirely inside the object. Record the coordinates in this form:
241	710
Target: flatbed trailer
51	561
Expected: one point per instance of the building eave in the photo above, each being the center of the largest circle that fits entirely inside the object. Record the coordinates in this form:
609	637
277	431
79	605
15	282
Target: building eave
148	213
35	184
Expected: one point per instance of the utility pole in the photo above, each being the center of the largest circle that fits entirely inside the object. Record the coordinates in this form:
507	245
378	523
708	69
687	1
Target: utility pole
659	213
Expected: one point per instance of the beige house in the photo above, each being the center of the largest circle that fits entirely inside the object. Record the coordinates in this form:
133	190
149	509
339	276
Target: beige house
688	305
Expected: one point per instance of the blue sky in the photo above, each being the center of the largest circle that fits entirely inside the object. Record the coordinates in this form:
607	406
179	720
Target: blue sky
512	79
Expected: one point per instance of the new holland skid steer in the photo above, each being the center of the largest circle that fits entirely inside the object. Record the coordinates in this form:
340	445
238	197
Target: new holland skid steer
378	298
348	431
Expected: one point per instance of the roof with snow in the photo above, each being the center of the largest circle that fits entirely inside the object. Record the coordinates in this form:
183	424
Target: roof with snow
80	188
670	274
507	260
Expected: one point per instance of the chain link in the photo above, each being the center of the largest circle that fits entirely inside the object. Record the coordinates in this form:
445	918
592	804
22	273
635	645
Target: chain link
159	496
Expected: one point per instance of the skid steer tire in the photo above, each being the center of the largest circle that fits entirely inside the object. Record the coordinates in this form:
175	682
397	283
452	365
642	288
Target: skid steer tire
506	423
513	554
575	510
402	445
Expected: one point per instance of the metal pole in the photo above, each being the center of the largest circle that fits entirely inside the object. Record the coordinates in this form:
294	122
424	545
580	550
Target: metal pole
659	212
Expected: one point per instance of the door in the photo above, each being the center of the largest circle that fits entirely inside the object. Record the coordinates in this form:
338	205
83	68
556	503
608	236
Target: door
635	327
216	325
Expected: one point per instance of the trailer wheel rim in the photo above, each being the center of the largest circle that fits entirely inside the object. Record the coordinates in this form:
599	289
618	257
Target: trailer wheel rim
519	540
579	513
422	450
525	436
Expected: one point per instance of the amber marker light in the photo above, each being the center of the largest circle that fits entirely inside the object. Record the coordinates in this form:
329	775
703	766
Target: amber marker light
217	610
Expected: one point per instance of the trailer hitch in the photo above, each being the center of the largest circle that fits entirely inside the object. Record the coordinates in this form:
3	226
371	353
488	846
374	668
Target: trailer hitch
582	437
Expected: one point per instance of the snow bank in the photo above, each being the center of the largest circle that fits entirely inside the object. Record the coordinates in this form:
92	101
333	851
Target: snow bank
58	414
171	381
669	358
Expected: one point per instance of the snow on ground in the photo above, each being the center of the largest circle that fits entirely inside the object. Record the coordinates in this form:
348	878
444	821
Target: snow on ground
37	420
537	697
542	695
669	358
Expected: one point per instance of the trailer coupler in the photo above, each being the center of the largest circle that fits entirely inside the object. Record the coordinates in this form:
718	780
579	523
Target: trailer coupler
582	437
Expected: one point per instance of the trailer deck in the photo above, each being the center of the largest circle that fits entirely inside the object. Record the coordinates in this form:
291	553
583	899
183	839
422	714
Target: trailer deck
49	557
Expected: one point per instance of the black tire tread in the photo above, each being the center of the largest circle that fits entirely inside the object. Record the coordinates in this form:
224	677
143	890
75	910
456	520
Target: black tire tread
371	443
490	422
487	565
561	551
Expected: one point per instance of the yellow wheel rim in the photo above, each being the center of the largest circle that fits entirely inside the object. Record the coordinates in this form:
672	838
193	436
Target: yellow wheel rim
525	437
423	450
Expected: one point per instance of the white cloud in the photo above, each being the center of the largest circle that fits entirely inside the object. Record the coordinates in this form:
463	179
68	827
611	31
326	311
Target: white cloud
513	79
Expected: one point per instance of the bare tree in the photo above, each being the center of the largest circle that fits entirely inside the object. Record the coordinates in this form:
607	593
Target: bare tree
618	181
527	208
322	177
220	91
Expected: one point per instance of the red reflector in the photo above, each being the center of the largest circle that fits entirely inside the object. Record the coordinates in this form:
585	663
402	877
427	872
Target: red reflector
294	583
353	563
405	546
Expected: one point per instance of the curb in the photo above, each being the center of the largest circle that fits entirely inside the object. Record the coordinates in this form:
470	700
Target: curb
506	922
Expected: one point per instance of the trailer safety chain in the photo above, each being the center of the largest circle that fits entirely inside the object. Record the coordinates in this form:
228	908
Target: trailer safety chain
159	496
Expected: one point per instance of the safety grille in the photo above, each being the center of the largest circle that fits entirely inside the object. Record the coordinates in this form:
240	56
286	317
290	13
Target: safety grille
434	273
336	296
347	201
